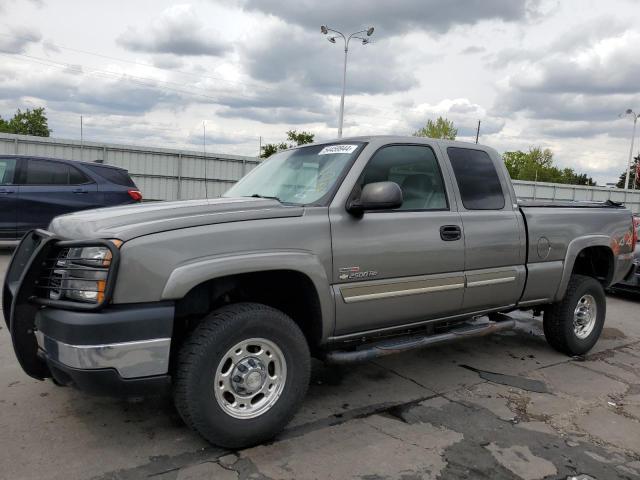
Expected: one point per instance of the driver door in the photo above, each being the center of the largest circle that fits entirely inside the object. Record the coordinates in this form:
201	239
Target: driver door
401	266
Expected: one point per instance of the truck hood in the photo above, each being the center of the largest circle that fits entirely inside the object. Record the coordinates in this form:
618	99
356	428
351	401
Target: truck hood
131	221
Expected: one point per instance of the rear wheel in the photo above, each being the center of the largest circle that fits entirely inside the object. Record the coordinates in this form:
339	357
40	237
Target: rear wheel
242	374
574	324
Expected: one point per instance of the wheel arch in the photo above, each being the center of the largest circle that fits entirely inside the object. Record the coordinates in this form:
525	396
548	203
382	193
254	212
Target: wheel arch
591	256
294	282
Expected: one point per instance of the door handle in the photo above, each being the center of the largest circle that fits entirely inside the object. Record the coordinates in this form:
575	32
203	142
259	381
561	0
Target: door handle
80	190
449	233
4	191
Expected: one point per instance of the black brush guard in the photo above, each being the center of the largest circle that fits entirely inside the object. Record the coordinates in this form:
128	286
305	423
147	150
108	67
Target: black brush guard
23	283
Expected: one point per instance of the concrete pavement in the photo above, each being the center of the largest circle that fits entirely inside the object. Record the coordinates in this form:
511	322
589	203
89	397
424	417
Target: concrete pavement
415	415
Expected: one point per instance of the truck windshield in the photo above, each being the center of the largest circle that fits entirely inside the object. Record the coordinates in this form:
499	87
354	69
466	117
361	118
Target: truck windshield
299	176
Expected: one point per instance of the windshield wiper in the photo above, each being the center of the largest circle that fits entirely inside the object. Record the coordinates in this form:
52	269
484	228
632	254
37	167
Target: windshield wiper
257	195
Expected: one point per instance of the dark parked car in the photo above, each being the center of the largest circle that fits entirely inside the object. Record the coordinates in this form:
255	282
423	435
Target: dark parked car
33	190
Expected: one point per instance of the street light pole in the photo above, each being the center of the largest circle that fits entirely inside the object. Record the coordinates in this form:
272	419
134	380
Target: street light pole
325	30
633	137
344	87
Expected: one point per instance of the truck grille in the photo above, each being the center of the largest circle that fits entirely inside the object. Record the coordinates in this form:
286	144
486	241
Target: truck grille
76	275
55	280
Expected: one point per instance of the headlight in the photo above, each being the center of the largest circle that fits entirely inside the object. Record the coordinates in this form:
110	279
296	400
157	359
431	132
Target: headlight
85	290
84	273
91	256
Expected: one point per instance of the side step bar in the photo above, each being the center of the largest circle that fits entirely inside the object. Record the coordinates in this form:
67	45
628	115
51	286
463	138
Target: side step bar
403	344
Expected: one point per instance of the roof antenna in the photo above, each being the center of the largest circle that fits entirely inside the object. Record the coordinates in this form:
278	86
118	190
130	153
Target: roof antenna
204	157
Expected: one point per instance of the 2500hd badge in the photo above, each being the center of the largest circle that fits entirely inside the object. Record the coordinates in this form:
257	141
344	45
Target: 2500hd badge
354	273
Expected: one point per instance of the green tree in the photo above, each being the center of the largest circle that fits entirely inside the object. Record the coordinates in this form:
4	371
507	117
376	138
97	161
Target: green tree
632	175
29	122
294	138
441	128
537	164
301	138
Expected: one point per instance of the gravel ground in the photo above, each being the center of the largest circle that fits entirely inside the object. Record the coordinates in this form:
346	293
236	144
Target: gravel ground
422	414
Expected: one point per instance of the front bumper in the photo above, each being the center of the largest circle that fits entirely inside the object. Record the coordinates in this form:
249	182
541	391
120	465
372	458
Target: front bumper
129	359
109	349
118	350
107	382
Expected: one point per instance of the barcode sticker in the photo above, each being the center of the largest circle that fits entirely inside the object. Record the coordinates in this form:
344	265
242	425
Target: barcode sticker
332	149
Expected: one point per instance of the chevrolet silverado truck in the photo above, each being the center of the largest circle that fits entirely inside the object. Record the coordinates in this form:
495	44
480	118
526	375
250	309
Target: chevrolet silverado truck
345	251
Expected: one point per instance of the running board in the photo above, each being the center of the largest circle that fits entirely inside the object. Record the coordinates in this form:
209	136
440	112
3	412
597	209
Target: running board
397	345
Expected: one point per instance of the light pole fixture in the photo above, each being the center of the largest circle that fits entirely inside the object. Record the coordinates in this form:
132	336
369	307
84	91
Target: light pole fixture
368	32
635	116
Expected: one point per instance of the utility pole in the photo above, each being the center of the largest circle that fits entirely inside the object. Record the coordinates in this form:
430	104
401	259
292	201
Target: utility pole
630	164
478	131
204	157
81	140
260	146
635	116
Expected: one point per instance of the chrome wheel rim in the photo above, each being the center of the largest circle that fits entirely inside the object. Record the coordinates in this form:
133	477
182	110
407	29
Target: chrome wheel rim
250	378
584	316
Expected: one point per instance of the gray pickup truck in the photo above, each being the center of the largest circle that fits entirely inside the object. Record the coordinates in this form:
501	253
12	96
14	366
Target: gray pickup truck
344	251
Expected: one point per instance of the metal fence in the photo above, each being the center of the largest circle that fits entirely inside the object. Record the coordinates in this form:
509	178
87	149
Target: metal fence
165	174
557	191
161	174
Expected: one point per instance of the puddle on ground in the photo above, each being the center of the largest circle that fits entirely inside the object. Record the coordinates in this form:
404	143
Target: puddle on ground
610	333
522	383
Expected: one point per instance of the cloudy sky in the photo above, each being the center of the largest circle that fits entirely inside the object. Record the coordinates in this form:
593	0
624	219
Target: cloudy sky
554	73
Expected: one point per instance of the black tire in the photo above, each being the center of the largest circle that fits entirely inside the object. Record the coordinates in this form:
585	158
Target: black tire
558	318
201	354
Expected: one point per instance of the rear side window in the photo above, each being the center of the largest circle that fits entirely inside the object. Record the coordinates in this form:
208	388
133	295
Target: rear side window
7	170
477	179
114	175
76	177
41	172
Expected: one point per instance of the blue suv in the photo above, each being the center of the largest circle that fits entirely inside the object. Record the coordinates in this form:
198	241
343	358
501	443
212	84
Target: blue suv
33	190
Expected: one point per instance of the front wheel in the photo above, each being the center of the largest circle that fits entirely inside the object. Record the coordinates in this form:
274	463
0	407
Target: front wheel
573	325
241	375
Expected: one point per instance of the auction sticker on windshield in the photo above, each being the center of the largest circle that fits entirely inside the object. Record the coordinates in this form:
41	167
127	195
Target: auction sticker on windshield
331	149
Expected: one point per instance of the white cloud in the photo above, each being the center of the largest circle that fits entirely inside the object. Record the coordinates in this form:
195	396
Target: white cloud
18	38
178	30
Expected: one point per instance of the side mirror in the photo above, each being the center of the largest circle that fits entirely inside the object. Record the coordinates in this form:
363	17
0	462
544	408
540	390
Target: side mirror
377	196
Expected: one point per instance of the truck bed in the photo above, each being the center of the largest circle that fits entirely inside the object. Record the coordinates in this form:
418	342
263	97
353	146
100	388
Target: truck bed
568	204
551	230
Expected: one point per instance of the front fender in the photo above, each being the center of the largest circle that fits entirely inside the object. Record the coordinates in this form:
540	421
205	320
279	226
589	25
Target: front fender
191	274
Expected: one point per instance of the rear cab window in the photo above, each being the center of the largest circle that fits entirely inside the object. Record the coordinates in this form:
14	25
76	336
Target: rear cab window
477	179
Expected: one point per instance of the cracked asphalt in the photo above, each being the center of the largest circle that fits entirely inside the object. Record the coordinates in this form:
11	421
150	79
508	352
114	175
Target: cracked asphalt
522	411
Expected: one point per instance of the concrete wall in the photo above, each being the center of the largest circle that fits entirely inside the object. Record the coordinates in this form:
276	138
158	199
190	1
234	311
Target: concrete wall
165	174
161	174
